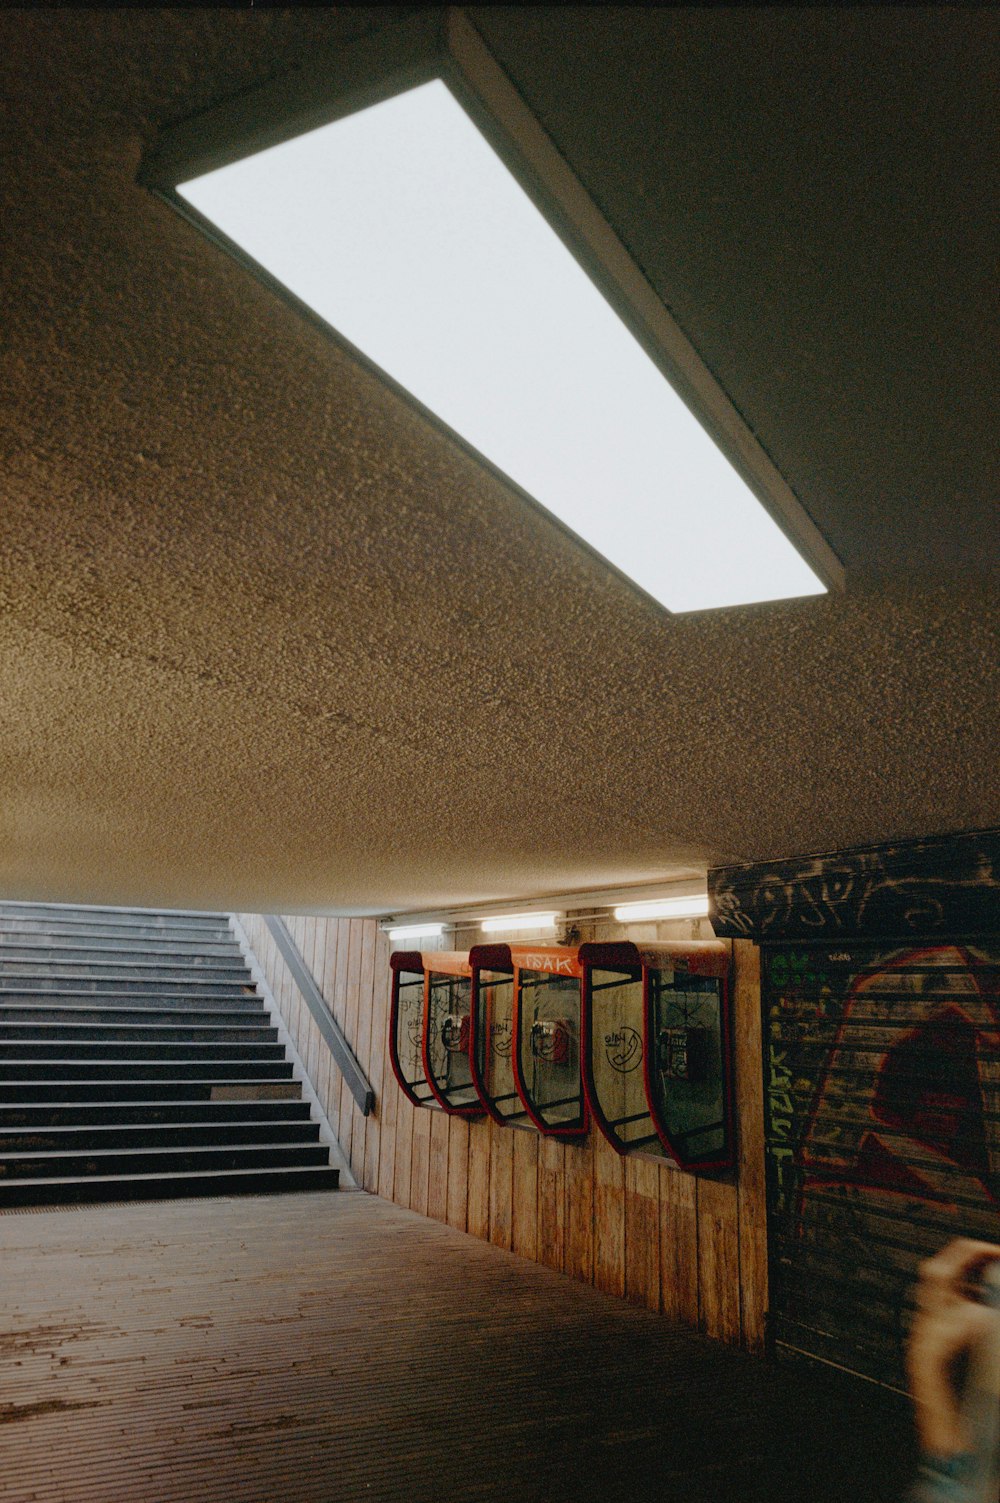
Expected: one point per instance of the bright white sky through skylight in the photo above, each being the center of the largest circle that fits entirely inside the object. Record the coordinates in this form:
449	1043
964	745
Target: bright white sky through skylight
401	227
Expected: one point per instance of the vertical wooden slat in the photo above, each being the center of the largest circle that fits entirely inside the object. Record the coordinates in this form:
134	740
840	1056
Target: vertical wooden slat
361	1041
420	1158
350	1026
642	1232
403	1170
609	1218
579	1262
316	1046
552	1203
340	975
501	1183
321	1053
281	991
524	1198
376	1055
478	1217
437	1171
388	1108
293	1000
678	1246
718	1260
287	994
751	1195
458	1174
331	1075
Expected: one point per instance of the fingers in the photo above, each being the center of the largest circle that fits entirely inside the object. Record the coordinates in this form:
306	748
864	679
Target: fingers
945	1276
958	1259
930	1359
946	1323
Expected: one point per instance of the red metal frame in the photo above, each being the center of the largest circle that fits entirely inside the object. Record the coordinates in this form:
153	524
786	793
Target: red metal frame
704	957
621	956
447	963
562	961
488	958
411	961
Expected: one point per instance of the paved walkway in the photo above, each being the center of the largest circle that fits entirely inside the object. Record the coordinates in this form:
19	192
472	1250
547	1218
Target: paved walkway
336	1348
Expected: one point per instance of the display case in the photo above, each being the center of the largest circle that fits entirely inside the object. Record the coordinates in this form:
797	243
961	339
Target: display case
546	1039
656	1048
491	1051
447	1032
613	1040
406	1027
688	1056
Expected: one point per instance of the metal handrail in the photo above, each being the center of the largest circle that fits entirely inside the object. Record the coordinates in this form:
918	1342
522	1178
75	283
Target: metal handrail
357	1082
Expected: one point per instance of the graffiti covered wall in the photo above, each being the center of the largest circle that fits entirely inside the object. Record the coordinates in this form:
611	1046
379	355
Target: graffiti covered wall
882	1136
880	976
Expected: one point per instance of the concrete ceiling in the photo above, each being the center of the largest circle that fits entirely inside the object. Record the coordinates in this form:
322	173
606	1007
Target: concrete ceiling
269	640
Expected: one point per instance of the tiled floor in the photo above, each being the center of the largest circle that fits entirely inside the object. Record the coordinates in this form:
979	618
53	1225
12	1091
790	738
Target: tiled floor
333	1347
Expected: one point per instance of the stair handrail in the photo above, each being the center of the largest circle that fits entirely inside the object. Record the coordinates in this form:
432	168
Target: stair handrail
357	1082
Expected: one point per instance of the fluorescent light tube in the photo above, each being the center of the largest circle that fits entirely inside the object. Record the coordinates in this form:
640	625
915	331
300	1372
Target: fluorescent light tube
401	228
519	921
662	908
417	931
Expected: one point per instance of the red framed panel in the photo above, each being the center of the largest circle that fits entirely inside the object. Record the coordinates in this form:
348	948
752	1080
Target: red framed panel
406	1026
546	1042
613	1046
447	1025
492	1043
688	1055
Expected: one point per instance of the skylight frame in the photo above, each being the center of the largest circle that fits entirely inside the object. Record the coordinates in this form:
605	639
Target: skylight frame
441	43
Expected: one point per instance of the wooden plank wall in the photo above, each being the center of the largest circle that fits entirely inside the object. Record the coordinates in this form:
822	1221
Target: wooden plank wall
694	1248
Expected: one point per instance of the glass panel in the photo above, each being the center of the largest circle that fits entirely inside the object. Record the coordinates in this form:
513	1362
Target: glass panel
448	1022
616	1058
409	1032
494	1041
549	1046
687	1066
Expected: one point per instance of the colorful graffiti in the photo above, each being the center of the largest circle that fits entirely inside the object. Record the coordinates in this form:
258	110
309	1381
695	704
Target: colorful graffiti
883	1133
926	1131
943	885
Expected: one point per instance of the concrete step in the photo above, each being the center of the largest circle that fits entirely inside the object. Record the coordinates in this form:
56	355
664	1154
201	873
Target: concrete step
71	1164
113	966
202	1134
45	1191
84	932
55	1070
178	988
52	917
106	1052
139	1113
85	1007
129	1088
77	947
93	1030
137	1059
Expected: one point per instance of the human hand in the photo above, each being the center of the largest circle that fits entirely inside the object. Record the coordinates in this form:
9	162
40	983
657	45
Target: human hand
949	1322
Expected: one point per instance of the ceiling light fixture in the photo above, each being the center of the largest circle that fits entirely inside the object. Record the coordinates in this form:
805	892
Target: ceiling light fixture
417	931
507	921
404	197
662	908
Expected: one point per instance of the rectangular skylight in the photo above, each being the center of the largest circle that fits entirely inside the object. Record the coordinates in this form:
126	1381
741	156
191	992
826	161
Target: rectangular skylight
401	227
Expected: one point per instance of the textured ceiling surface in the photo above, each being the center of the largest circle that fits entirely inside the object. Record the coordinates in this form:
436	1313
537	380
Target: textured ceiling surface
270	640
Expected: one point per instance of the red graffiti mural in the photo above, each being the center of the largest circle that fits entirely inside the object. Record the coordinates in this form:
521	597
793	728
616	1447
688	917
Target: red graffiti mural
913	1115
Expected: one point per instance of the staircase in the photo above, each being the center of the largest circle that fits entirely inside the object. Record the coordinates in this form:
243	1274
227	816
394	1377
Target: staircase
138	1062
